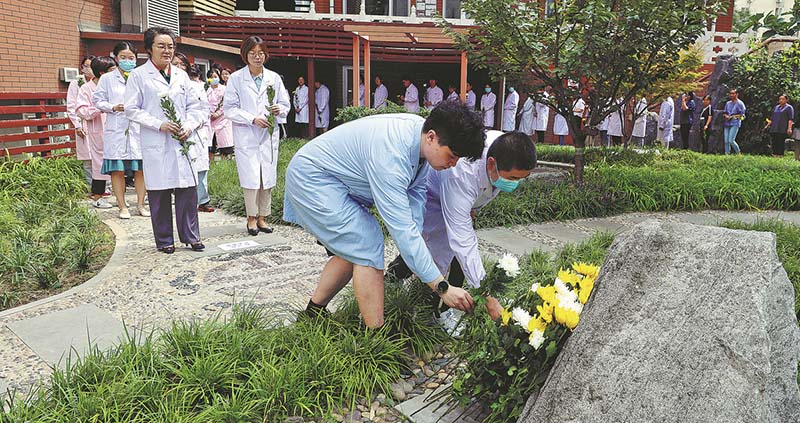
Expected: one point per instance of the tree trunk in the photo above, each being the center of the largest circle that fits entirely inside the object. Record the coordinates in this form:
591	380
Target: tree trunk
579	138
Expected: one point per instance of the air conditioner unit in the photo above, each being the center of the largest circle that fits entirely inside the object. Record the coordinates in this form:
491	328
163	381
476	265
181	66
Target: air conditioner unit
138	15
68	74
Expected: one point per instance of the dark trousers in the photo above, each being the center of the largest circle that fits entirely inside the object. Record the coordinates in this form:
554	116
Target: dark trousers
399	270
540	137
98	187
706	136
616	140
185	215
778	143
301	130
685	127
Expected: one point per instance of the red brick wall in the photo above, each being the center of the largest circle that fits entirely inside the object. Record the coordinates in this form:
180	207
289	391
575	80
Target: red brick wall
338	7
37	37
440	7
725	21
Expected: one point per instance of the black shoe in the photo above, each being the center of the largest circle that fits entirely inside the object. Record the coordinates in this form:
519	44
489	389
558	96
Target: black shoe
252	231
197	246
265	229
167	250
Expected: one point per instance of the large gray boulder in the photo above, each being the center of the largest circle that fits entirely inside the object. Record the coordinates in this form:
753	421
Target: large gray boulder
687	324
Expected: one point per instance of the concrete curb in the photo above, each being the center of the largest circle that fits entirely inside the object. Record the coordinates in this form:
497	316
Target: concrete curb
120	250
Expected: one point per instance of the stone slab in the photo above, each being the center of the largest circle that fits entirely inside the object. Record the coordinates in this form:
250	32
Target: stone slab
698	218
265	242
789	217
54	335
746	217
561	232
421	409
511	241
603	225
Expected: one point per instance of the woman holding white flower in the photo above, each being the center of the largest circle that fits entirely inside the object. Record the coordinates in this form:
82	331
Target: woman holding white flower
122	150
168	168
256	102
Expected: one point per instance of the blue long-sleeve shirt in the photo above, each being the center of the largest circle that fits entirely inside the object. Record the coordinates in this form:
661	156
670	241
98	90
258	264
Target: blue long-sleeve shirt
735	108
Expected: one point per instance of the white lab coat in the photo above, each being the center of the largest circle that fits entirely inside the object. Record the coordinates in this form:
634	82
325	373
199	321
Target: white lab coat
526	118
640	124
452	96
301	102
202	135
256	148
510	111
321	97
381	94
448	229
434	96
471	100
81	145
164	165
120	137
615	121
666	118
411	99
560	126
488	102
542	114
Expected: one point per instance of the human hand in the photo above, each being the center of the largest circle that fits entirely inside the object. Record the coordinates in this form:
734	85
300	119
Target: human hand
493	307
458	298
261	122
171	127
80	132
275	109
118	108
183	134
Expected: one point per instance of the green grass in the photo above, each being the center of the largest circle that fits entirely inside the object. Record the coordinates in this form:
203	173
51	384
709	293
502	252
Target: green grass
225	191
49	240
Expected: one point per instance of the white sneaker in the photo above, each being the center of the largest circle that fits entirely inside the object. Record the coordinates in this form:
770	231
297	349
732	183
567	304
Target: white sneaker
144	212
101	203
451	321
124	214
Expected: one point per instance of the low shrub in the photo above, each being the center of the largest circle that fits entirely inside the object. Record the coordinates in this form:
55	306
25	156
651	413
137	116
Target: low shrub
347	114
49	240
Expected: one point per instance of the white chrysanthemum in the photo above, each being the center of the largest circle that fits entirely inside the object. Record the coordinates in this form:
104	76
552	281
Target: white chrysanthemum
162	94
535	286
510	264
536	339
521	316
561	287
570	304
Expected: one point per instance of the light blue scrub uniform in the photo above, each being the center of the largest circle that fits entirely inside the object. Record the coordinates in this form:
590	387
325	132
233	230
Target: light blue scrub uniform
333	180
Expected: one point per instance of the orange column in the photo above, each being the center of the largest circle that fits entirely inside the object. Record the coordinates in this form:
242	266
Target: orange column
356	65
312	104
367	77
463	86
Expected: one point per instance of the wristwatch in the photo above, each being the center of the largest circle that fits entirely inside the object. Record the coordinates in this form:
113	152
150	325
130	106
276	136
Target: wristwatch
442	287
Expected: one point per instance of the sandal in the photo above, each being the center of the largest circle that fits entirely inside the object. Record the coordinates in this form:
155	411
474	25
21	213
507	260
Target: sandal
167	250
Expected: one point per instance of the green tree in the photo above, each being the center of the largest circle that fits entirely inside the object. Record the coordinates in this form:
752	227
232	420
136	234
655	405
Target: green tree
785	24
604	50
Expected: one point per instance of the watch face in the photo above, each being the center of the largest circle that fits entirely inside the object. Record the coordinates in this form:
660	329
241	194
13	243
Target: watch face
442	287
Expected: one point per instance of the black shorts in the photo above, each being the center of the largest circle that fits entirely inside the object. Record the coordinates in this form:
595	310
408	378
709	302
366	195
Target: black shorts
327	251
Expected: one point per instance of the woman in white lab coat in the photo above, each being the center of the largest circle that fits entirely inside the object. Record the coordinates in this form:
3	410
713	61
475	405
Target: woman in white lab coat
615	123
510	110
640	122
202	142
526	117
247	106
542	116
560	128
322	97
488	101
122	151
166	169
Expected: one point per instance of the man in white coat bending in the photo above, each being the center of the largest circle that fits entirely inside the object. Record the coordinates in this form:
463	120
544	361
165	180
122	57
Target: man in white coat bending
488	101
321	97
410	99
454	196
666	118
300	103
510	110
381	94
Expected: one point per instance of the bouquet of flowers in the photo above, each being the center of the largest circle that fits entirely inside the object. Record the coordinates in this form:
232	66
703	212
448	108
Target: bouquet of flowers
508	359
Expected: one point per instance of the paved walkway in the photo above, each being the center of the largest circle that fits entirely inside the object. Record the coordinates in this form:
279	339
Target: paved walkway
145	288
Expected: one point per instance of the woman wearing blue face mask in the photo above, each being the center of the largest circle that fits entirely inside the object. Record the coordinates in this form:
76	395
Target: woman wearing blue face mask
122	146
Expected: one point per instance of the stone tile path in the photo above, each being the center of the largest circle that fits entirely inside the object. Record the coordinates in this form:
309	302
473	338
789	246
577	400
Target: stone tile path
146	289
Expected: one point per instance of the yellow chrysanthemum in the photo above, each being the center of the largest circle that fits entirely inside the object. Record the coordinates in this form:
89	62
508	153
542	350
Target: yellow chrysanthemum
547	293
537	323
569	277
588	270
566	317
505	314
545	312
587	286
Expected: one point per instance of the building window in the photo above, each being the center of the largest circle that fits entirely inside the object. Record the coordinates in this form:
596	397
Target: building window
372	7
400	7
452	9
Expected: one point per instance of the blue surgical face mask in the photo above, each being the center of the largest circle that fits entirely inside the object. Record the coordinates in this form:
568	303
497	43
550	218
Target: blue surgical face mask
488	90
127	65
511	89
214	81
505	185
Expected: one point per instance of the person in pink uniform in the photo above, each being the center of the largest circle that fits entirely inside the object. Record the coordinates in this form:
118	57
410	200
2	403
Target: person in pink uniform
81	147
94	121
220	125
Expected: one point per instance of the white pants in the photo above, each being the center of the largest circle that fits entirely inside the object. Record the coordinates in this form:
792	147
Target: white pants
258	202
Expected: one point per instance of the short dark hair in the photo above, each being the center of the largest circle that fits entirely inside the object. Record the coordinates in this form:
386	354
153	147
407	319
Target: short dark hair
102	64
513	150
211	72
379	77
89	58
124	45
193	71
458	128
406	78
784	95
707	96
151	34
250	43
